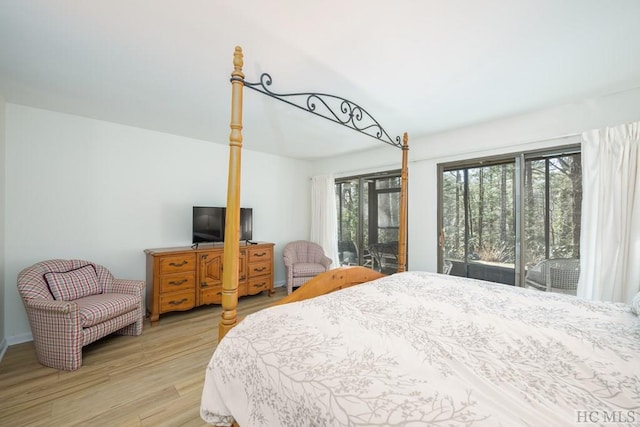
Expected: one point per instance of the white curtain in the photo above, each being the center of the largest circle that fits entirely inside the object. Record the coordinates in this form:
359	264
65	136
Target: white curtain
324	222
610	232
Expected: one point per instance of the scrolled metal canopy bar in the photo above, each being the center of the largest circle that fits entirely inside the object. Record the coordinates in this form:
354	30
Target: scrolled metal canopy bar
344	112
331	107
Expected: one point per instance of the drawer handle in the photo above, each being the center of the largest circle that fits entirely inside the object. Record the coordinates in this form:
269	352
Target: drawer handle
178	283
204	285
260	254
175	264
183	300
218	293
260	285
258	270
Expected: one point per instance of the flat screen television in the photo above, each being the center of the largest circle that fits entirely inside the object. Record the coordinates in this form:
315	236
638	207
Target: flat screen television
208	224
246	224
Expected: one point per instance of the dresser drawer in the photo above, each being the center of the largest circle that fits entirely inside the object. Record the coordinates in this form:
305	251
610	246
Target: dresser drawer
260	254
178	263
259	268
178	301
211	296
258	285
177	282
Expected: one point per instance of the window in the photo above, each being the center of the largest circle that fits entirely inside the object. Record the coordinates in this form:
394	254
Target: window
368	220
478	220
513	219
552	206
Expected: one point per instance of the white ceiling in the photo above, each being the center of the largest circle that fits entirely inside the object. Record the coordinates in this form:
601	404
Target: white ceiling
417	66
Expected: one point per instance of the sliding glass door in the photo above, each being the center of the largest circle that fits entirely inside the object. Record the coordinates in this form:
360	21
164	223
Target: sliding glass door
478	221
350	220
552	207
553	199
368	220
513	219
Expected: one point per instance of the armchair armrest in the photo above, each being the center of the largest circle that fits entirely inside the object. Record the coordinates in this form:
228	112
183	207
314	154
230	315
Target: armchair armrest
49	306
288	262
326	261
125	286
57	332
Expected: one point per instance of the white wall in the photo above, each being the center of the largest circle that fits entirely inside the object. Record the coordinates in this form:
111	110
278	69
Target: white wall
77	187
3	340
527	132
83	188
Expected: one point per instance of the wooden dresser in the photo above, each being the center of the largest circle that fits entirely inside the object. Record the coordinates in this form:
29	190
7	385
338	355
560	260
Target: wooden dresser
182	278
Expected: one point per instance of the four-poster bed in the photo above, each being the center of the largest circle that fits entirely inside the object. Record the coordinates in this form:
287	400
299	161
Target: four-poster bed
331	107
416	348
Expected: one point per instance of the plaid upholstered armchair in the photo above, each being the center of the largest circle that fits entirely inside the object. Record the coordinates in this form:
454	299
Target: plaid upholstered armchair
303	260
71	303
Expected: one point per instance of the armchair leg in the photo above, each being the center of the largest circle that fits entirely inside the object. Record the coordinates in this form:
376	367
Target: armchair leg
133	329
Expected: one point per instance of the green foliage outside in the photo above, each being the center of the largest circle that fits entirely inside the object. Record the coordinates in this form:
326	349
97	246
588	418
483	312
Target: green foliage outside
479	218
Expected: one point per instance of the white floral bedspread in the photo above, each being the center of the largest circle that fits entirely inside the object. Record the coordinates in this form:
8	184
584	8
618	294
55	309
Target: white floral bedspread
426	349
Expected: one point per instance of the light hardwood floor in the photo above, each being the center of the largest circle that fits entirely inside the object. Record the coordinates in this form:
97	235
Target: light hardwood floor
154	379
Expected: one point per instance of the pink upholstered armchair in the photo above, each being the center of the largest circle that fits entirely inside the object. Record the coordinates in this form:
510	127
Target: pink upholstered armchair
303	260
71	303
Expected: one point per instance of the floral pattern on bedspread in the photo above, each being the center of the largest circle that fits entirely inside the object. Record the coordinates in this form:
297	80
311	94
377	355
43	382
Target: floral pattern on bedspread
426	349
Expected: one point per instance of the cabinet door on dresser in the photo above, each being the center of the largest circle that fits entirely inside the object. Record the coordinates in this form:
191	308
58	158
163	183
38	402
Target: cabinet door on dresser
210	268
176	281
210	277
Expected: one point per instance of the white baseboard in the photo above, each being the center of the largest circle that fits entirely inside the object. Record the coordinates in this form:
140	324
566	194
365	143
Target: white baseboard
3	348
19	339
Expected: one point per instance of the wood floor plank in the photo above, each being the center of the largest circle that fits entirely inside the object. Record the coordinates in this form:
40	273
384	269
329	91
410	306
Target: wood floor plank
154	379
63	389
33	416
178	412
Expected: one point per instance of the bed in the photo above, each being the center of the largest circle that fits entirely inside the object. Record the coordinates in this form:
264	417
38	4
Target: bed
419	348
354	347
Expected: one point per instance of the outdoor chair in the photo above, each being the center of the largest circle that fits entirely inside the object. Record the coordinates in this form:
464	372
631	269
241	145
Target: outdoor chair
348	252
554	275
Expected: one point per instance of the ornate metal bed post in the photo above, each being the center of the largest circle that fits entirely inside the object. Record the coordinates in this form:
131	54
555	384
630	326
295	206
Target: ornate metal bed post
232	228
402	233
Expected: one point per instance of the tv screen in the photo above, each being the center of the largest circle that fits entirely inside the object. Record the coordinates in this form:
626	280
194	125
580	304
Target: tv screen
246	224
208	224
